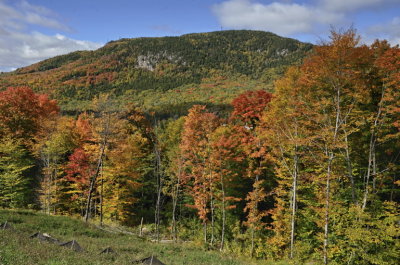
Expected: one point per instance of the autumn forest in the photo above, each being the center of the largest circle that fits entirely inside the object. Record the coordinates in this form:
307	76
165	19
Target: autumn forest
302	164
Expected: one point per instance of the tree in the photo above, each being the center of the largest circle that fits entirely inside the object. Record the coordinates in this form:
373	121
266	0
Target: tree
326	126
246	115
23	113
129	160
14	163
53	151
284	132
102	105
199	178
23	119
333	85
78	171
170	140
229	162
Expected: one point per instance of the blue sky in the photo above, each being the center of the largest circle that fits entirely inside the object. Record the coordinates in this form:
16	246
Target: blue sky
32	30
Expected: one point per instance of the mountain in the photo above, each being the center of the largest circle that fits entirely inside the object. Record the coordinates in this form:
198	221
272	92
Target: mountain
160	72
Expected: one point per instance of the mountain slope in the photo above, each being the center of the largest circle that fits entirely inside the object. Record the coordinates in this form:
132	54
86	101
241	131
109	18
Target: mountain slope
131	66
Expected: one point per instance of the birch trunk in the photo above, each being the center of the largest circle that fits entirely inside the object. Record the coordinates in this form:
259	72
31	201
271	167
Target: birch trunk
330	153
349	168
212	217
159	187
174	205
93	181
327	201
294	200
99	164
371	153
223	215
101	195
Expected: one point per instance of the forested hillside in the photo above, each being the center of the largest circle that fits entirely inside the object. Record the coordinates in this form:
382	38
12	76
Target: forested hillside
304	172
200	68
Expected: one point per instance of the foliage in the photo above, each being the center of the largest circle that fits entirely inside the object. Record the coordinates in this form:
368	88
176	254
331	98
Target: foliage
308	173
23	113
14	183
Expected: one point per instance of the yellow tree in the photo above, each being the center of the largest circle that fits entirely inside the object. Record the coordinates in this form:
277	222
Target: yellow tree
333	86
170	139
284	131
53	150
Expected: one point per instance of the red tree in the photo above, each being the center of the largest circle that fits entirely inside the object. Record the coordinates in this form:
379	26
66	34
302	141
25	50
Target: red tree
23	113
78	172
248	106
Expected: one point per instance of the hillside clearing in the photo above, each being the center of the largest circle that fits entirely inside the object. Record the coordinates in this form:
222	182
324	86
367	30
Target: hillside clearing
17	248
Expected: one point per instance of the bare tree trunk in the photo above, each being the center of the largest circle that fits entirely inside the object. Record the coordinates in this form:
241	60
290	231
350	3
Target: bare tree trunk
101	196
93	181
327	200
82	204
330	153
53	205
46	183
49	184
159	187
175	202
374	172
368	175
54	189
252	243
205	232
211	190
98	167
294	201
253	225
94	207
212	218
350	168
372	143
141	228
159	179
223	215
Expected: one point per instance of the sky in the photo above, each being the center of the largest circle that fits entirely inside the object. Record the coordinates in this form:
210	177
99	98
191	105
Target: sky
33	30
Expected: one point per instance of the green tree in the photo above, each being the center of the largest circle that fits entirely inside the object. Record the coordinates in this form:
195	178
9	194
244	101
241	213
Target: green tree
15	186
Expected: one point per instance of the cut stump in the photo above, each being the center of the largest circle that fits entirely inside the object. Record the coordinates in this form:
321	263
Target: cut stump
73	245
150	261
5	225
107	251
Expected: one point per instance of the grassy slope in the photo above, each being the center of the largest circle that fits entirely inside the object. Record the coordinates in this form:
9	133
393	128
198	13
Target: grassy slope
16	248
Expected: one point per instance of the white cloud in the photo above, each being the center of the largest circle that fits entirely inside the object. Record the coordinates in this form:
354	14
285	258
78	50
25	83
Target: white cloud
36	9
389	30
289	17
22	14
20	47
37	19
280	18
352	5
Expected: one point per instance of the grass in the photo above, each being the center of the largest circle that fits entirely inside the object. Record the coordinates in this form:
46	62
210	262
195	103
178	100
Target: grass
17	248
